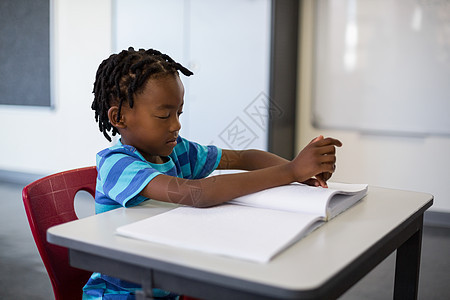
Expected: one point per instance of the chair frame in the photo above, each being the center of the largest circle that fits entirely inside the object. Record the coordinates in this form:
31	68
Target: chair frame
49	201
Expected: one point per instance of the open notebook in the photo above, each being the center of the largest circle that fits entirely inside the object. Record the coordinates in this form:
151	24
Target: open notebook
255	227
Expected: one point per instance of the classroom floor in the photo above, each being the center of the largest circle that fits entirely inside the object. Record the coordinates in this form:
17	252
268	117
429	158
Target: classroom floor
22	274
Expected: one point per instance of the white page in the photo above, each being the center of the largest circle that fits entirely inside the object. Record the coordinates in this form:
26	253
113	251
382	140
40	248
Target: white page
298	197
238	231
347	188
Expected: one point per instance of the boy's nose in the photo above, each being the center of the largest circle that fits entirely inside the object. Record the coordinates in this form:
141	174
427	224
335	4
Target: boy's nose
175	125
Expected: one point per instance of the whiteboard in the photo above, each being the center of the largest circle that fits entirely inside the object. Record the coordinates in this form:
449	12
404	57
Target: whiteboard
382	66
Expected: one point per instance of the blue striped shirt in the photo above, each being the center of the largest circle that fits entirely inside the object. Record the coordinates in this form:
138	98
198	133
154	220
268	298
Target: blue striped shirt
122	174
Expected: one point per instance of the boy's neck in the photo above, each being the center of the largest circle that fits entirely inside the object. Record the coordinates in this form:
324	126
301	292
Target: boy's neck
154	159
159	160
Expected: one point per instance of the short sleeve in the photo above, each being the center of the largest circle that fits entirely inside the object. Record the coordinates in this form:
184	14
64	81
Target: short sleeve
196	161
122	175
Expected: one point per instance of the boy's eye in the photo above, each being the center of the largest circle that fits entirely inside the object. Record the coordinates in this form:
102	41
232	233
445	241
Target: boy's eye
168	116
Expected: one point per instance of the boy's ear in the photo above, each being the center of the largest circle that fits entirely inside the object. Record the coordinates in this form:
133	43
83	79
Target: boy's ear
112	116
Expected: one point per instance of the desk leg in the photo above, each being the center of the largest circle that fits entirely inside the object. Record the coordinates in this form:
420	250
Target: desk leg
408	265
147	287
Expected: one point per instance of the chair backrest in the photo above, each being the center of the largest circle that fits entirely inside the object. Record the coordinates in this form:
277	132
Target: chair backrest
48	202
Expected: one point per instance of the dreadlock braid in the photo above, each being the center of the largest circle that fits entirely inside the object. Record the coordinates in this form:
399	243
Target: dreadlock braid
122	75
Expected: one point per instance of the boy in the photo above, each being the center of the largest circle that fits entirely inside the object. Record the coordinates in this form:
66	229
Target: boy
139	95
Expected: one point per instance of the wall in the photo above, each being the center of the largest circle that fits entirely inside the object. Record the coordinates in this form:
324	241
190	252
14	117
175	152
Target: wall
45	140
230	62
42	141
411	163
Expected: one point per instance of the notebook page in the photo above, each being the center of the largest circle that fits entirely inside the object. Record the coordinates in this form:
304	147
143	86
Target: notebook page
351	193
232	230
292	197
298	197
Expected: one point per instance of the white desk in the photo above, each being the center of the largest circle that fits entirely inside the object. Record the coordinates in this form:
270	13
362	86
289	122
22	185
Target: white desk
321	266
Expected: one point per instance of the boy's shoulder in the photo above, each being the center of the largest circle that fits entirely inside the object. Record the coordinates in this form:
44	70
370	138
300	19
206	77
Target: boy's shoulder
121	149
118	152
118	148
183	148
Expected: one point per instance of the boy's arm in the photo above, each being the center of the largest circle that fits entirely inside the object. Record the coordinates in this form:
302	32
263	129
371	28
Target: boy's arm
249	160
256	159
214	190
316	158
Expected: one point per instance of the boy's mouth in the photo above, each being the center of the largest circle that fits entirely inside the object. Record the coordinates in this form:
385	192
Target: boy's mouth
172	142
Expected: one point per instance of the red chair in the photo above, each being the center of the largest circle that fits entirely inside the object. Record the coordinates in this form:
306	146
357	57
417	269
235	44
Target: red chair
48	202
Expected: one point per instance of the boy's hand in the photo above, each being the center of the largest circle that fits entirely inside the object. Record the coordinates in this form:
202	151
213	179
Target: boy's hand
322	178
317	159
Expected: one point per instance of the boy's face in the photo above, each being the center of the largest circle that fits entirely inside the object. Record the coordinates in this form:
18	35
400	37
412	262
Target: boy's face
152	125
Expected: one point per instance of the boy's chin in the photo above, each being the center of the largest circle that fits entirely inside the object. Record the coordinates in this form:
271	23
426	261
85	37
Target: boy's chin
166	153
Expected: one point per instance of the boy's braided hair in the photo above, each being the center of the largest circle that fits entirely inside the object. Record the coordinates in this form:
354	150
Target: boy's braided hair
122	75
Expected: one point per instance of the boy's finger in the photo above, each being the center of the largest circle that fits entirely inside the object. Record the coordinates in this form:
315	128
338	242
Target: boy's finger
320	137
311	182
328	141
328	159
327	149
322	182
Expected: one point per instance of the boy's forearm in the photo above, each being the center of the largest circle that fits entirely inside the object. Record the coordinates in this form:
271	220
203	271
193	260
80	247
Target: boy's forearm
318	157
222	188
218	189
249	160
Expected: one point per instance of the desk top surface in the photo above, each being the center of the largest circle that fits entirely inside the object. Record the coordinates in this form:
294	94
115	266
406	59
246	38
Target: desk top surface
306	265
